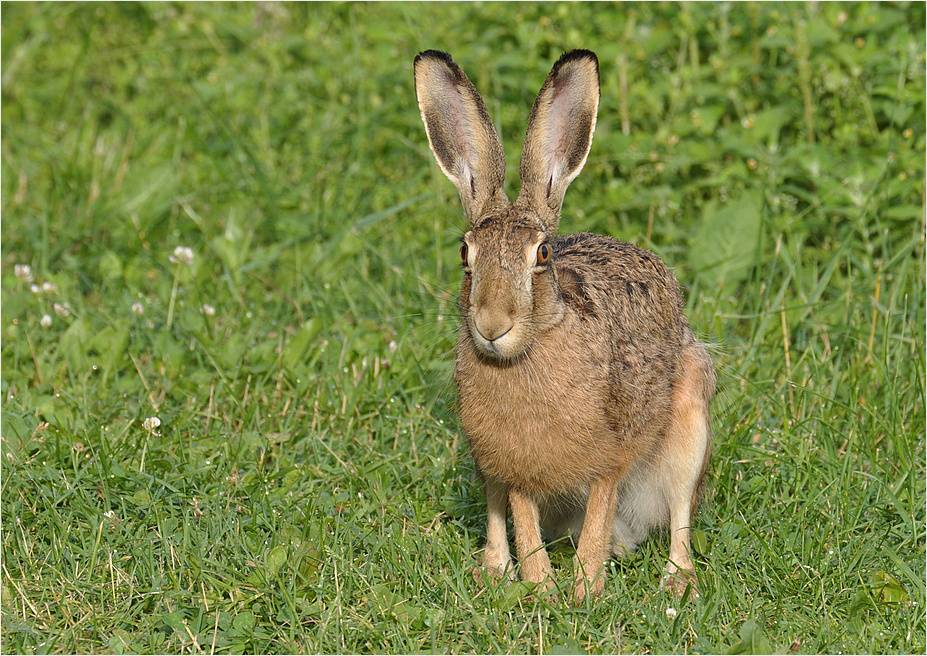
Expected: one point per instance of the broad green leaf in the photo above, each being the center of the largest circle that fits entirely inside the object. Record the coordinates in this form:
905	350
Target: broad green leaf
110	266
567	646
55	411
752	640
111	343
297	347
725	247
887	588
903	212
387	601
175	621
276	558
244	621
75	344
513	595
121	642
699	541
768	123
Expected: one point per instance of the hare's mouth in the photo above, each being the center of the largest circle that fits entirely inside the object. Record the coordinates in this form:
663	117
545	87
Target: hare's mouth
505	346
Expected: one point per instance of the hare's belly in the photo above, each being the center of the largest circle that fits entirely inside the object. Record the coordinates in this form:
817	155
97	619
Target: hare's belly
539	425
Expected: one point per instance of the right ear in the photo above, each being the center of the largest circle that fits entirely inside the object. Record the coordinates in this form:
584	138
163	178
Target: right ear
460	133
559	134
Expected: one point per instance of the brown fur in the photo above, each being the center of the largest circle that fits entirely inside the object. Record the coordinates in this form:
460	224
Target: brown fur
584	393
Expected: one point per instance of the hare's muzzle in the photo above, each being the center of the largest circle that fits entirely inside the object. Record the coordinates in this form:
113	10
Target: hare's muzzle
498	337
492	325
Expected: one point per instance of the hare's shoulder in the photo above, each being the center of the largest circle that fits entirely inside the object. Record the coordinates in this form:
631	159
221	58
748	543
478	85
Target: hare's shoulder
595	271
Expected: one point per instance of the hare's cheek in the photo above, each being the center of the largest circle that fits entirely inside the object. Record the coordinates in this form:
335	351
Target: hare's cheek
465	286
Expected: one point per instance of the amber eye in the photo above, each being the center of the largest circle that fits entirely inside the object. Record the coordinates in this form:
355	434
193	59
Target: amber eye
463	253
543	253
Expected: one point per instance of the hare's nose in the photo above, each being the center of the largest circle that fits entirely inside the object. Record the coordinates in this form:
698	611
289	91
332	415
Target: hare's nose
493	324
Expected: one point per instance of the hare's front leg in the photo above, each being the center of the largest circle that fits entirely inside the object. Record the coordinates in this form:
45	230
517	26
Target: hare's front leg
497	559
532	556
595	540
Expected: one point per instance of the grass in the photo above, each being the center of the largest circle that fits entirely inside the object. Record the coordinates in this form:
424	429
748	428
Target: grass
308	487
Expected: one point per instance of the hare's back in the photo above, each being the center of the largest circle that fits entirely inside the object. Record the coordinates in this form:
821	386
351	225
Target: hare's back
605	278
628	296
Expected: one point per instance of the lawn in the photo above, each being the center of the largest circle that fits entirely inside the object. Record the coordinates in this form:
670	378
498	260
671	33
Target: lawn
229	277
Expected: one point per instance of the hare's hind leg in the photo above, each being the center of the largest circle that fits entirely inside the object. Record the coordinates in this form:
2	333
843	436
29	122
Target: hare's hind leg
686	457
596	539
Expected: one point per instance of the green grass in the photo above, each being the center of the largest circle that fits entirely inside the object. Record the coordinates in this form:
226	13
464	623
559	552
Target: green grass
308	488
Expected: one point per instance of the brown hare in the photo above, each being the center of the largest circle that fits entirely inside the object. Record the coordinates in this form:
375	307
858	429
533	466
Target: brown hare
584	394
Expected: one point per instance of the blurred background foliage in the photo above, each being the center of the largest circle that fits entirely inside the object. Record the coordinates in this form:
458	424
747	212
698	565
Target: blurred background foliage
299	358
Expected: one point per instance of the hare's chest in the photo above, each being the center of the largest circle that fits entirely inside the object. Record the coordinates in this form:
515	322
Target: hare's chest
540	423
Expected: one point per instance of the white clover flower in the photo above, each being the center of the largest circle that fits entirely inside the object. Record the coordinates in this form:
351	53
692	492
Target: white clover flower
46	321
151	424
208	310
182	255
393	346
35	289
671	612
49	288
23	272
62	309
138	309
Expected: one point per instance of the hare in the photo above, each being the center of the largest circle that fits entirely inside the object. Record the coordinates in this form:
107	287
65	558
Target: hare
584	394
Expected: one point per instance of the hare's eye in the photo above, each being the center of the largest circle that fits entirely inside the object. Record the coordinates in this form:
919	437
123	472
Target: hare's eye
463	253
543	253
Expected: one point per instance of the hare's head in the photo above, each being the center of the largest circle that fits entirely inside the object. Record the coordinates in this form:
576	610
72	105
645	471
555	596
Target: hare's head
510	290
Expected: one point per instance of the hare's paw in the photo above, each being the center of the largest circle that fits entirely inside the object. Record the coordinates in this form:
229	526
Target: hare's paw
547	589
583	587
494	571
678	581
499	563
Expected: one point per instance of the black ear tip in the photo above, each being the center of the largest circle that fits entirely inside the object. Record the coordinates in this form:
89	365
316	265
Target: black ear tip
434	54
576	55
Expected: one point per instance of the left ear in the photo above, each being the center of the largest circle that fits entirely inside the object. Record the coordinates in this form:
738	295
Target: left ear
559	134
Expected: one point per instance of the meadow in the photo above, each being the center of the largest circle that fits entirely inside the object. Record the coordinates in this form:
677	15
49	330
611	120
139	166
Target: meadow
229	275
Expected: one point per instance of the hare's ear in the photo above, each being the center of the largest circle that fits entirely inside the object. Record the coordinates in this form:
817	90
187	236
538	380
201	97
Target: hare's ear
460	132
559	133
